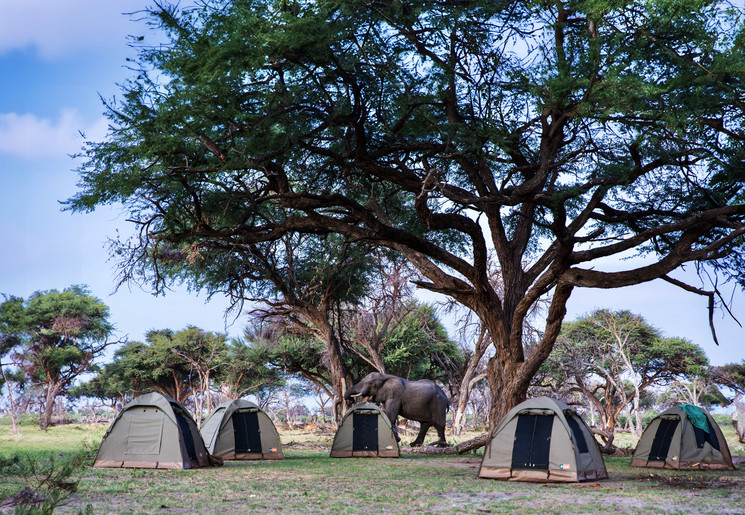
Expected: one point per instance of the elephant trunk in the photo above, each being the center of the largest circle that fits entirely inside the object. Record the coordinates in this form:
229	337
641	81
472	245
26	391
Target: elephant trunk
355	394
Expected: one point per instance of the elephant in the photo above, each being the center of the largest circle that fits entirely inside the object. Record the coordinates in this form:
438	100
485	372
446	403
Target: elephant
421	400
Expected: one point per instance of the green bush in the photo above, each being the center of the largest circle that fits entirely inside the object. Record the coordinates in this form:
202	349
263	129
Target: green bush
44	481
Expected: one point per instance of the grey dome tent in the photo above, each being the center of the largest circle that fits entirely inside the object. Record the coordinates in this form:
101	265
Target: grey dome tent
240	430
153	431
365	432
684	437
542	440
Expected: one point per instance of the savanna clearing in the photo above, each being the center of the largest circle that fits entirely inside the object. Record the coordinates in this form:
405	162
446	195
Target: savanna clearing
308	481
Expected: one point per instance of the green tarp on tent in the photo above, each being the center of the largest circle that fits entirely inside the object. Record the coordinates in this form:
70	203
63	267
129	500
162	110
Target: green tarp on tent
672	440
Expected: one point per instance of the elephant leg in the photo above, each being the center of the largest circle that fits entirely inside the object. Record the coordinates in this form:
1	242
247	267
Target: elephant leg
391	408
441	436
424	427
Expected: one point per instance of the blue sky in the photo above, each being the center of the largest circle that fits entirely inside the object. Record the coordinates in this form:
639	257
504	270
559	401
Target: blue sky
56	58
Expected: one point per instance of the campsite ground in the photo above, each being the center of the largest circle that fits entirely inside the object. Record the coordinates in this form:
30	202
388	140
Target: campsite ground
308	481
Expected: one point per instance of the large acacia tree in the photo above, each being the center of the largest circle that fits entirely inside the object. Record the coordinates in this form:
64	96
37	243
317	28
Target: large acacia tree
551	133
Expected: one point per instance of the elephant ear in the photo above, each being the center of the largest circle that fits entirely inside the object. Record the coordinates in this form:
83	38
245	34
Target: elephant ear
392	384
378	382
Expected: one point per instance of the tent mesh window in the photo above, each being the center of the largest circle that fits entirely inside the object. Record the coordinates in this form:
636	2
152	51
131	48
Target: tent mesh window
662	439
577	432
365	432
246	430
185	430
532	442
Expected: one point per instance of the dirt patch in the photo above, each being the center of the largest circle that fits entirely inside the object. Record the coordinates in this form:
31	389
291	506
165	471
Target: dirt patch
26	497
694	483
305	445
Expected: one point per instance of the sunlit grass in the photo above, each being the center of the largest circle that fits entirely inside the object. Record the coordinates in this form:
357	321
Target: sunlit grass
32	440
310	481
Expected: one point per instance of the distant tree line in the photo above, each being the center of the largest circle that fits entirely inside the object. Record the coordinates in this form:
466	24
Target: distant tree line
612	365
42	356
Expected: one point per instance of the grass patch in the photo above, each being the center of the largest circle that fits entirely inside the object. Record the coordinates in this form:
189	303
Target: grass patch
310	481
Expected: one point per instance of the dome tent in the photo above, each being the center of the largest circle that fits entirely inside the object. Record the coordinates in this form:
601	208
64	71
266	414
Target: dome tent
542	440
684	437
365	432
240	430
153	431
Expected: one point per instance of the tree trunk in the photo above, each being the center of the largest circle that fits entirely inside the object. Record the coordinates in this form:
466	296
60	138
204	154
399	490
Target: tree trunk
13	411
338	373
511	370
738	417
508	389
51	395
464	394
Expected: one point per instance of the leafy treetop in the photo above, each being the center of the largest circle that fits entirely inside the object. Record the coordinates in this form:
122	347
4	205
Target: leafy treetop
553	134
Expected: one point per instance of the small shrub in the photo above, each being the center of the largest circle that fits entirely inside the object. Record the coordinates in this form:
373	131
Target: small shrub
48	480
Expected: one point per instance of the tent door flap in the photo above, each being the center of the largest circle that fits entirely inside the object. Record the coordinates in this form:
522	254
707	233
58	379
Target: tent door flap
185	430
662	439
532	442
246	430
364	432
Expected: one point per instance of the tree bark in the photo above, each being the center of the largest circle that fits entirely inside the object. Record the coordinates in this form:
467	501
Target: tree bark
51	395
337	372
508	389
13	411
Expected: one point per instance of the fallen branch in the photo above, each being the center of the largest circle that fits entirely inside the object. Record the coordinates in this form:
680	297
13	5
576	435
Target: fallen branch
462	448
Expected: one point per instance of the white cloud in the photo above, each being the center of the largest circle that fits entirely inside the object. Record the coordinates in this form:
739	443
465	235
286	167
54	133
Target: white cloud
59	27
30	137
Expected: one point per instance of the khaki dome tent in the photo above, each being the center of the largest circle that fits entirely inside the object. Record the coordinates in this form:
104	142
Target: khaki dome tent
240	430
365	432
542	440
153	431
683	437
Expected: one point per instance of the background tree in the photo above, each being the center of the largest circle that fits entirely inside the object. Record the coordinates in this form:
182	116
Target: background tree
205	352
697	388
388	301
245	371
57	335
8	312
303	279
110	386
417	348
292	354
612	358
732	377
557	134
152	366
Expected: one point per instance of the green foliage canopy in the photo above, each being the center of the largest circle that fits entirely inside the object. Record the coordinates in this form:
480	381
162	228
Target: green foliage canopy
586	348
555	133
417	348
56	336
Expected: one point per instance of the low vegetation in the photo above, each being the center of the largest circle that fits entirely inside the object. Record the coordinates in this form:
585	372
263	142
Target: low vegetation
309	481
